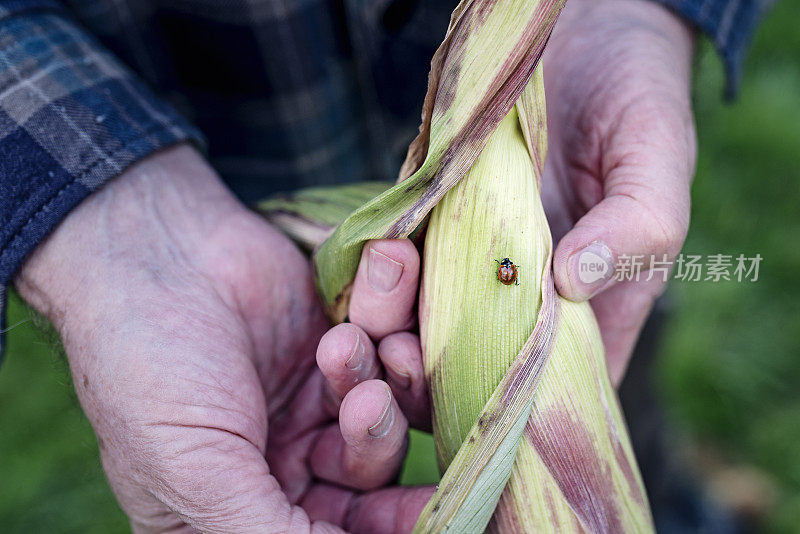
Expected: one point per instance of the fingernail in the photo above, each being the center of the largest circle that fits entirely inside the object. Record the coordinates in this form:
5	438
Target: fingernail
356	361
401	379
590	269
381	428
384	273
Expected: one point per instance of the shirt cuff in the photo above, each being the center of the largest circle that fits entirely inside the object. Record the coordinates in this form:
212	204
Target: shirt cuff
729	24
72	117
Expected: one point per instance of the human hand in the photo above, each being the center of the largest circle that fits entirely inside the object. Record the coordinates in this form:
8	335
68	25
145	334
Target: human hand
621	153
378	351
191	326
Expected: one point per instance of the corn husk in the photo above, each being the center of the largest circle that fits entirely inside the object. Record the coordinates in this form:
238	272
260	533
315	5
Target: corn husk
528	430
573	468
485	61
309	216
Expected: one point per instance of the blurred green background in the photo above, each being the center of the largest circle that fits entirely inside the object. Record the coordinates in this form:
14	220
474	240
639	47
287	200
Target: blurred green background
728	368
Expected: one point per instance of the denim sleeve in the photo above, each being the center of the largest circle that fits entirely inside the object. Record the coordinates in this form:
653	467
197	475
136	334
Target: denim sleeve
72	117
729	24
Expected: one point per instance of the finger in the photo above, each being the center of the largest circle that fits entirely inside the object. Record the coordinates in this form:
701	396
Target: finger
386	511
385	288
633	227
389	511
621	313
346	356
643	209
401	356
367	449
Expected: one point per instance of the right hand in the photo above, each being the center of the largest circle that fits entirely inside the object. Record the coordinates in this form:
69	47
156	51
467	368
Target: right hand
621	155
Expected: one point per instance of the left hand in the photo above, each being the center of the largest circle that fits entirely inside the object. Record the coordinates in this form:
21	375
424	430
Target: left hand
621	156
191	327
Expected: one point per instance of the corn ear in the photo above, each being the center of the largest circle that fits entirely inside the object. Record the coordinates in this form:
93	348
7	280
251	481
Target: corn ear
527	427
573	468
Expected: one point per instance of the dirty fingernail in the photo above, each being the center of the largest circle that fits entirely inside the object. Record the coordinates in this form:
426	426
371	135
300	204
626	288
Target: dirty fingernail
356	361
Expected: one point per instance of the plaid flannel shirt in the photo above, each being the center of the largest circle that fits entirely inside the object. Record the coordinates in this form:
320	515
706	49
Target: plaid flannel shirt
288	93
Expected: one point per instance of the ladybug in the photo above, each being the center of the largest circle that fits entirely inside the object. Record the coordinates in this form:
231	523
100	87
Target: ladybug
507	272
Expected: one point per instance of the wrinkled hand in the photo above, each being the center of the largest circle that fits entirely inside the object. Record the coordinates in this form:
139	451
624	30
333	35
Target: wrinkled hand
191	328
622	154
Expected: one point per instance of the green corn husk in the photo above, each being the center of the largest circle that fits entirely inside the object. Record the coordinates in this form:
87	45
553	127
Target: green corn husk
527	426
309	216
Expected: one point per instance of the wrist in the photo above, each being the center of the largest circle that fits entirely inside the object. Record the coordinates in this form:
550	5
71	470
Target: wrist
160	209
661	23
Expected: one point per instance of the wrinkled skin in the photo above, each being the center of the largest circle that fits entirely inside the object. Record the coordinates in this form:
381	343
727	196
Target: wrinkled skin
192	326
622	153
193	350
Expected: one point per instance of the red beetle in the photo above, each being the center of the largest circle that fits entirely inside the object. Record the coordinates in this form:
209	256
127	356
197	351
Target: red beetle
507	272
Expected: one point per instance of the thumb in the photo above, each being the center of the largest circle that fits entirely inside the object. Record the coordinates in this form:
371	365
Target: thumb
642	219
385	288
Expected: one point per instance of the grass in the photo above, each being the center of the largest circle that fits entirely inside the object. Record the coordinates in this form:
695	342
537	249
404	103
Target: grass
50	475
729	366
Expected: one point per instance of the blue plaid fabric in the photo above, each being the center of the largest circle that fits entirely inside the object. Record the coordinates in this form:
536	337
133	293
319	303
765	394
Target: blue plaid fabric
288	93
729	24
